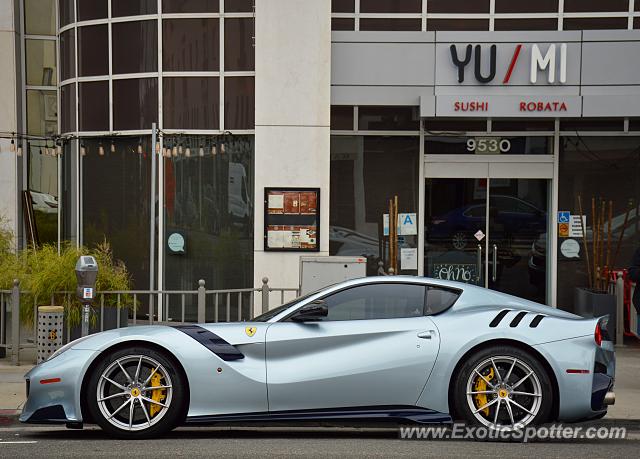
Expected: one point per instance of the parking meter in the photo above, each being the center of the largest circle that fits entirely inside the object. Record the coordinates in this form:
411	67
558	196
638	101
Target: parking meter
86	275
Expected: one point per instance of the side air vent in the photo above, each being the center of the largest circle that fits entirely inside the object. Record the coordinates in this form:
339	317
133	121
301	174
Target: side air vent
497	319
517	319
536	321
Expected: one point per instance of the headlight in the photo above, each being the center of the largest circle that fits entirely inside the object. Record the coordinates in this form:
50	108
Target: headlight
66	347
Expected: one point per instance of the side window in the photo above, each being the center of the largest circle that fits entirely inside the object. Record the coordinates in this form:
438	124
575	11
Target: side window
376	301
439	299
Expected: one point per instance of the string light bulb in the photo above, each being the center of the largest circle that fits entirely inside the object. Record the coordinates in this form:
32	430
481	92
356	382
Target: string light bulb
214	150
222	148
83	150
201	151
101	149
19	152
180	149
187	152
113	147
59	150
140	148
12	148
158	147
174	150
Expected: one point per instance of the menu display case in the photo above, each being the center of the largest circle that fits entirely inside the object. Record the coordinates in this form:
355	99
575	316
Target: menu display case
292	219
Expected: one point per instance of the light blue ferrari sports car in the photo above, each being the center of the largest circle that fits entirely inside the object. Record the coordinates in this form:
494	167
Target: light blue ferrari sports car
399	349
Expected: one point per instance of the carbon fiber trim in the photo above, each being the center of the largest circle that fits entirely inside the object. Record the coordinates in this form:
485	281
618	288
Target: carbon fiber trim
212	342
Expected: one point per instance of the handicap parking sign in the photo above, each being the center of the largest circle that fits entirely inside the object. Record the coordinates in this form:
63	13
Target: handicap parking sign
564	216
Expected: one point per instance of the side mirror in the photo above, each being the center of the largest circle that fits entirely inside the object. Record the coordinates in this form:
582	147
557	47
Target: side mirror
312	312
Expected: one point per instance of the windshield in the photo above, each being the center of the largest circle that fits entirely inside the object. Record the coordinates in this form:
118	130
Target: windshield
274	312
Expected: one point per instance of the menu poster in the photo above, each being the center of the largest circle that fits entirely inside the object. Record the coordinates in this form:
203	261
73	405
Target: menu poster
292	217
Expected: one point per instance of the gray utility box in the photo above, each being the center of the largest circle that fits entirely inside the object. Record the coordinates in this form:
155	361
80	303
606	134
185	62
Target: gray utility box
319	272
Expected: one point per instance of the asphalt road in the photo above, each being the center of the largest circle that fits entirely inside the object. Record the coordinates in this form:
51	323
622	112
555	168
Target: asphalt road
255	442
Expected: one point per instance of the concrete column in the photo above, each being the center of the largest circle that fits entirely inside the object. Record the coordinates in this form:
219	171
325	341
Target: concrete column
293	56
9	181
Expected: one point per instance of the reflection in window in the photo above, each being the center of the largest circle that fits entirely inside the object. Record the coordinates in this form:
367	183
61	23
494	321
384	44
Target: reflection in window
68	107
343	24
191	103
136	8
93	106
388	118
238	6
67	54
367	171
239	102
526	24
115	201
238	44
342	117
458	6
539	6
135	103
66	12
457	24
40	17
595	5
43	188
209	206
594	23
602	168
42	112
93	50
92	9
135	47
190	44
190	6
342	6
40	59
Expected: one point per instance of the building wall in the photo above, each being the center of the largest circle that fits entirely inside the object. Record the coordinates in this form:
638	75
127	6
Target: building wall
293	56
8	115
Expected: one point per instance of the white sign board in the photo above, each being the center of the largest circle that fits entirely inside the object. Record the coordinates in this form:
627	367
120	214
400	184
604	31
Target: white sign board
407	224
575	225
408	258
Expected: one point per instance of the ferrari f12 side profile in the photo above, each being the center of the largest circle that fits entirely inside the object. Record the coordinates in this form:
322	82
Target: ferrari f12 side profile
395	349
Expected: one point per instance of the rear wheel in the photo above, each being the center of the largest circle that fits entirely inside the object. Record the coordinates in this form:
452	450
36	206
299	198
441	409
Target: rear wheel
136	392
503	387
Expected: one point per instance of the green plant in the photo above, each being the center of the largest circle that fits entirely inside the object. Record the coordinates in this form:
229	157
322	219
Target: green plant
47	276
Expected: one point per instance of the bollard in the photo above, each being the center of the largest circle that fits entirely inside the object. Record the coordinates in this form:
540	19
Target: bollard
201	302
50	329
15	322
265	294
619	310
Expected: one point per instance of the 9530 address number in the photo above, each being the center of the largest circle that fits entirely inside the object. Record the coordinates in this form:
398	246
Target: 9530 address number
488	145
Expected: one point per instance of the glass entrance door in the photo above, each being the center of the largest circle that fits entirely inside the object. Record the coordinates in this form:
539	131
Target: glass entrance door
490	232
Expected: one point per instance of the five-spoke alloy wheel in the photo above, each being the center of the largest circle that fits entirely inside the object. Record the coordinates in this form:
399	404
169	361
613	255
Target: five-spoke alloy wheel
136	393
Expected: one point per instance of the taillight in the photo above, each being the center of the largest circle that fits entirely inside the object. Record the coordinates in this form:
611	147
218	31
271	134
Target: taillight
601	333
598	334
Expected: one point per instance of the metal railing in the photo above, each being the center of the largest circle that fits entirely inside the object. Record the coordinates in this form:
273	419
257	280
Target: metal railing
123	308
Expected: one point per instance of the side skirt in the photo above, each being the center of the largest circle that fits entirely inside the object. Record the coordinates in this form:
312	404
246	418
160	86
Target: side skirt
394	414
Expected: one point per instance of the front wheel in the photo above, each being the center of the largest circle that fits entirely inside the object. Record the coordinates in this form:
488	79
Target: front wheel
503	387
136	393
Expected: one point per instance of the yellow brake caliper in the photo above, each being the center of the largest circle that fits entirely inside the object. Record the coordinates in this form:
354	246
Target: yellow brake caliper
481	386
157	395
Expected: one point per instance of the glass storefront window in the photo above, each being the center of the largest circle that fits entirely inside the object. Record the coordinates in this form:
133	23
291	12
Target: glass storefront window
190	6
388	118
115	201
135	103
67	54
66	11
367	171
526	24
342	117
539	6
594	23
68	107
457	24
571	6
600	168
457	6
128	8
238	44
40	59
390	24
93	50
209	205
191	103
390	6
43	188
135	47
190	45
238	6
42	112
342	24
93	108
40	17
239	102
92	9
342	6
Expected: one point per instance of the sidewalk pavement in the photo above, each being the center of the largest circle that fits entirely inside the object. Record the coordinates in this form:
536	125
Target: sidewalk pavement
627	387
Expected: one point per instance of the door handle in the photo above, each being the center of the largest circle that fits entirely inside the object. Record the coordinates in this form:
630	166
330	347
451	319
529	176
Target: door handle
479	263
427	334
495	262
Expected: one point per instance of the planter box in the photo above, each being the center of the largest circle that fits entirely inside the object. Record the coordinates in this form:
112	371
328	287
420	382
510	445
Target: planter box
110	321
595	303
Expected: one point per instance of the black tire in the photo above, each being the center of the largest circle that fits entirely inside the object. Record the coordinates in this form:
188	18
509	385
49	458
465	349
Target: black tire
175	412
501	354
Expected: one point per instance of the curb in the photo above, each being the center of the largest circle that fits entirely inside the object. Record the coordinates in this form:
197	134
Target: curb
9	417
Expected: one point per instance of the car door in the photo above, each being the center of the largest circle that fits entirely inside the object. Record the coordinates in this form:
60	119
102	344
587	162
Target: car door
375	347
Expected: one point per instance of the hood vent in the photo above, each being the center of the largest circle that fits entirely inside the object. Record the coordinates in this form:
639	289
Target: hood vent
517	319
536	321
497	319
